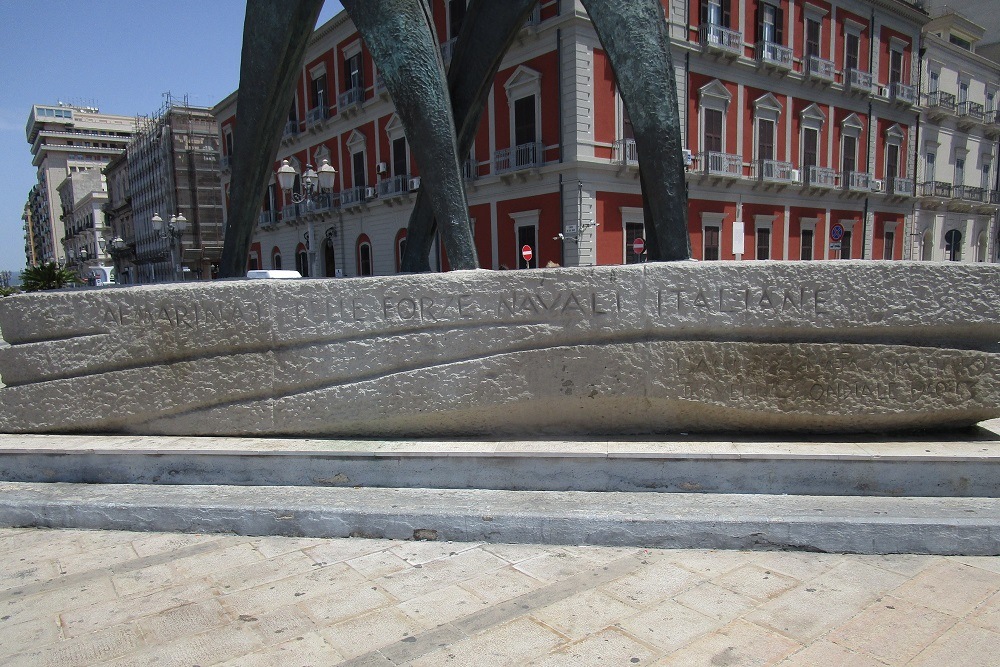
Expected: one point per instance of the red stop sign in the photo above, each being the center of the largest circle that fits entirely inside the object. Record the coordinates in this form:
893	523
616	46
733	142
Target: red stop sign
638	246
526	253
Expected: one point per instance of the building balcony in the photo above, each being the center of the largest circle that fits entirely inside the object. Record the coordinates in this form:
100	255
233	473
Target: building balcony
858	181
351	99
939	104
289	212
821	177
625	153
899	187
356	196
394	186
525	156
772	171
970	194
267	219
323	202
859	81
821	69
726	165
773	55
470	169
317	115
717	39
380	88
995	198
935	190
291	129
970	113
535	19
903	93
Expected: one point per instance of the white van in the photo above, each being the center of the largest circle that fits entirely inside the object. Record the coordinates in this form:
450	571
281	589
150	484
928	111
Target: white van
273	274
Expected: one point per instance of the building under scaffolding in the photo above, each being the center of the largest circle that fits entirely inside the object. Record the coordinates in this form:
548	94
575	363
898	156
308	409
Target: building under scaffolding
173	170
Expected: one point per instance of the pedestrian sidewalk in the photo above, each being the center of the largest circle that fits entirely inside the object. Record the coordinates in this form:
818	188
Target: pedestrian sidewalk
70	597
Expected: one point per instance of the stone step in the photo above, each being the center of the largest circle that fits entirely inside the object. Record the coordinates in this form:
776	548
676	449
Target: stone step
963	464
854	524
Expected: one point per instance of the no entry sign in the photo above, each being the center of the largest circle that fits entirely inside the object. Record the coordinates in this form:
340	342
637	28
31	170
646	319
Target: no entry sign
638	246
526	253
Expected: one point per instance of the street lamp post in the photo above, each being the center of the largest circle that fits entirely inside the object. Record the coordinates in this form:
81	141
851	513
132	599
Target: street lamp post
116	248
314	184
174	231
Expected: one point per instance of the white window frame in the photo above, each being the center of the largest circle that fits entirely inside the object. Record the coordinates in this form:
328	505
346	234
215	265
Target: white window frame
808	225
631	216
899	46
811	118
766	107
889	228
856	29
712	220
713	95
525	219
852	127
894	137
393	131
524	82
358	143
763	222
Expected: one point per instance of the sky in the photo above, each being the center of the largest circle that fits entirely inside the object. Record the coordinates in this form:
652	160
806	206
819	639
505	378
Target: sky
118	55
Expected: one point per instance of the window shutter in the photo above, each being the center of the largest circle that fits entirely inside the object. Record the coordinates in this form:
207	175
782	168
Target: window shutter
703	6
779	25
726	13
760	22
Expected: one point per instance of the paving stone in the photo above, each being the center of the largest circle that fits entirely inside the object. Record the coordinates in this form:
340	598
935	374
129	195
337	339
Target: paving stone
715	601
343	604
417	581
201	565
189	619
501	585
291	590
713	563
258	573
149	544
608	647
328	552
739	644
951	587
370	632
207	648
893	629
32	634
378	564
797	565
307	649
104	558
755	582
442	606
147	580
81	620
513	644
556	565
19	609
658	578
418	553
669	625
269	547
824	653
88	649
280	625
584	614
987	615
964	645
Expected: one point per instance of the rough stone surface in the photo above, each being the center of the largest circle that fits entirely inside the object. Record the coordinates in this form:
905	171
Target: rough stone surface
822	347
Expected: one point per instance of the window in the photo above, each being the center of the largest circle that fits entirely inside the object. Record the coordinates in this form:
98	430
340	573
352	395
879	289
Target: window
329	258
770	24
891	162
991	101
810	147
849	159
806	244
228	138
934	81
981	244
400	248
524	121
353	74
765	139
953	245
930	165
889	244
927	245
302	261
845	245
317	92
716	12
713	130
456	16
959	171
963	91
895	66
527	235
634	229
852	49
711	236
364	256
400	163
813	27
764	243
987	168
358	169
276	260
958	41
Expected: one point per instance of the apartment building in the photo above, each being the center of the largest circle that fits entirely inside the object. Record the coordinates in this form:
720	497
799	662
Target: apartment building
65	139
959	134
799	121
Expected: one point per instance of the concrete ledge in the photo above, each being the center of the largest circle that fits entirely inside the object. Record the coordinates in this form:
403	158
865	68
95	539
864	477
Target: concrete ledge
852	525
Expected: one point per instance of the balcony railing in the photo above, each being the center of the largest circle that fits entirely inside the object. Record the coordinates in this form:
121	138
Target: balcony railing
717	38
395	185
941	100
859	80
772	171
936	189
901	187
289	212
323	202
995	197
351	98
355	195
625	153
316	115
721	164
448	50
769	53
525	156
470	169
821	68
858	181
973	110
291	128
969	193
267	218
821	177
903	93
535	19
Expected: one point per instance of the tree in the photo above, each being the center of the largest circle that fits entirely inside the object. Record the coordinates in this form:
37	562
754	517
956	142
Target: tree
6	289
46	277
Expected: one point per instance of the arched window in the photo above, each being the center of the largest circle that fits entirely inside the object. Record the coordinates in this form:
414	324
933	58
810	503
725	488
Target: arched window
302	260
927	246
364	255
329	258
400	248
276	258
953	245
981	244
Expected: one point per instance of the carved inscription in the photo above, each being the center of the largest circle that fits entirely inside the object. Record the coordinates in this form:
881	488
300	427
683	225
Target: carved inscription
195	315
820	376
803	301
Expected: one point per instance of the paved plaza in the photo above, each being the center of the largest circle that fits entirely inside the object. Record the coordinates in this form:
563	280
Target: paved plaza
72	597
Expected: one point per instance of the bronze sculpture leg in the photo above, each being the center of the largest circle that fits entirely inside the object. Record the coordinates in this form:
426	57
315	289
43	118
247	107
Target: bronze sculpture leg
399	36
634	35
275	35
489	30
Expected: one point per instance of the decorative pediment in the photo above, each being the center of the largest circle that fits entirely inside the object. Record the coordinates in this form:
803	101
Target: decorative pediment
852	122
321	153
894	133
356	141
714	90
813	113
394	128
524	80
767	102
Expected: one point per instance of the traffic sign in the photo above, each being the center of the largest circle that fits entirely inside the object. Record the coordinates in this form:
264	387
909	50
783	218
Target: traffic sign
526	252
835	245
638	246
836	232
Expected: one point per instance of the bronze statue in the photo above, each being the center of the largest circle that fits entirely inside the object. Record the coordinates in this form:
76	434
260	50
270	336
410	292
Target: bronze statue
440	114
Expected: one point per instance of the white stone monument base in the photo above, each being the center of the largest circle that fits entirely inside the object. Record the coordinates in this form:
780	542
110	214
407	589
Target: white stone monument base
679	347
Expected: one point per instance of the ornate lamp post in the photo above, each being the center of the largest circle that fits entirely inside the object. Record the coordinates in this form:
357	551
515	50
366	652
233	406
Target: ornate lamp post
314	184
116	248
174	231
